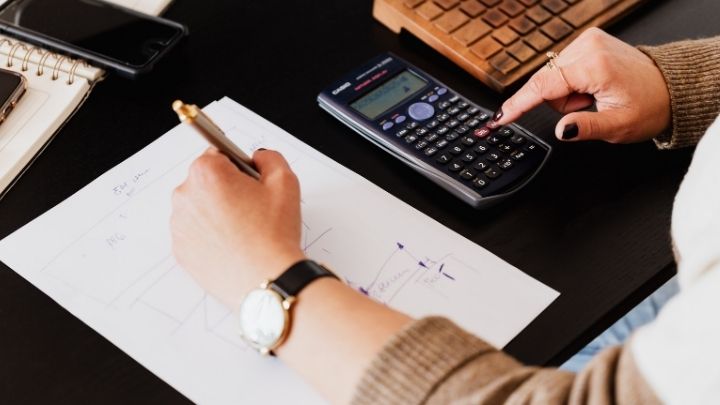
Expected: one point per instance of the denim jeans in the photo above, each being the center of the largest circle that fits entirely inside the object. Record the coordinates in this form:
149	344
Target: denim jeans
621	330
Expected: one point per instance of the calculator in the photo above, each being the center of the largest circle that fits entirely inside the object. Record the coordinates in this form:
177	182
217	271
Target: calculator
435	130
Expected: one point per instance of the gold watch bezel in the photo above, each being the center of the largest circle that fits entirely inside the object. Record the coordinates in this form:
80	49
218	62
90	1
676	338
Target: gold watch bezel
286	304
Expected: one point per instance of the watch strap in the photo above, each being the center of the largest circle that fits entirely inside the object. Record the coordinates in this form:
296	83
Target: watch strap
298	276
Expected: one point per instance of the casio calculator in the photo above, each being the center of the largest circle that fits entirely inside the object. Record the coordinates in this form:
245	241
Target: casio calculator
435	130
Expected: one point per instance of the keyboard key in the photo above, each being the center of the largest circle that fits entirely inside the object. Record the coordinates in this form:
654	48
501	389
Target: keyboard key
421	145
401	133
538	41
451	21
522	25
472	8
447	4
441	143
518	155
472	110
432	124
462	129
455	166
387	125
555	6
511	8
463	117
505	132
538	14
441	91
456	150
430	151
442	130
518	139
472	123
442	117
443	159
556	29
521	51
443	105
482	132
452	136
467	174
432	137
468	141
412	125
480	165
483	117
581	13
453	110
452	123
479	183
472	31
492	157
433	98
454	99
492	173
429	10
504	62
494	140
495	18
468	157
506	164
480	149
505	35
503	147
421	131
411	139
462	104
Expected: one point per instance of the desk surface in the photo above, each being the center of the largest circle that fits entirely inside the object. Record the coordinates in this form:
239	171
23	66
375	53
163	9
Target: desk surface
594	225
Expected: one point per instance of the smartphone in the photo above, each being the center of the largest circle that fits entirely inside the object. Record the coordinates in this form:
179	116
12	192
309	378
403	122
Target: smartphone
12	88
109	36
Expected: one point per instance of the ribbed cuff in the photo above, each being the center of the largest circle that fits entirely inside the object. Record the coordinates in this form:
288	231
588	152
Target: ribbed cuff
692	73
415	361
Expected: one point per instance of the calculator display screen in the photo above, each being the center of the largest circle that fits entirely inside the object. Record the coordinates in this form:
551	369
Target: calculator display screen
388	94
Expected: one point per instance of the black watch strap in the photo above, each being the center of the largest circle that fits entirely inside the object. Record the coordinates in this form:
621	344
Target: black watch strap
298	276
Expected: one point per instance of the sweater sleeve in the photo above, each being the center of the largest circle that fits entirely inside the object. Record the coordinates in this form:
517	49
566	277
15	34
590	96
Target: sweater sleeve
433	361
692	73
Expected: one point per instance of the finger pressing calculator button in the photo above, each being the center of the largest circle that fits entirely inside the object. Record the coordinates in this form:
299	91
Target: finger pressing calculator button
494	140
479	183
443	159
433	98
518	155
480	165
400	119
518	139
421	111
401	133
505	148
492	173
492	156
482	132
456	150
430	151
467	174
468	157
412	125
505	132
387	126
455	166
468	141
506	164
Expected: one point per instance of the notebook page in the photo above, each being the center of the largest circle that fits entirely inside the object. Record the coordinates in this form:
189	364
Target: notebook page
105	255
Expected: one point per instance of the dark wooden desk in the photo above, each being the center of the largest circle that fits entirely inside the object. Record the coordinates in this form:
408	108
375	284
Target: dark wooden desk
594	225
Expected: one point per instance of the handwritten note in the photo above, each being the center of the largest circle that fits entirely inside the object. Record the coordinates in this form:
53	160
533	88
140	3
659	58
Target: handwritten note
105	255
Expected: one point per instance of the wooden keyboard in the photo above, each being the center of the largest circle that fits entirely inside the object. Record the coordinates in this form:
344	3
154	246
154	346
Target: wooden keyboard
498	41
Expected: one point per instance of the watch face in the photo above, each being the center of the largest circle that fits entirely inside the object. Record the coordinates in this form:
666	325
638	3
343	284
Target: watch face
262	318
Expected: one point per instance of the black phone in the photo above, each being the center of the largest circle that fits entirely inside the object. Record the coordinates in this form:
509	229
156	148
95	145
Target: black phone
12	87
108	35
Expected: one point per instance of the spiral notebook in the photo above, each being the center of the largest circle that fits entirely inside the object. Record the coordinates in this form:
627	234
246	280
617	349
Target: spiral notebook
56	87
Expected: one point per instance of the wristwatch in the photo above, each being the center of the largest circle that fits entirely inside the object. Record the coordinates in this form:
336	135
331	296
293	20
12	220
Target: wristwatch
264	315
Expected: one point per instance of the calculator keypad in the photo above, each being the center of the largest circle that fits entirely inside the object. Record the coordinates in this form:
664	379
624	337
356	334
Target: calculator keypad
449	132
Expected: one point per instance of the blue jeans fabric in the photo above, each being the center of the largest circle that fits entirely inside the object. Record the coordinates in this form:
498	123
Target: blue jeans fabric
621	330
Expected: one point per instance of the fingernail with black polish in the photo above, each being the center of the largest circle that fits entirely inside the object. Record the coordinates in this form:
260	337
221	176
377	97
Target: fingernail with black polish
498	114
570	131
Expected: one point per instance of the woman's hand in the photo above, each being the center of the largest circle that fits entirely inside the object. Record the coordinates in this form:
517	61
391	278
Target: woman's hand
628	89
232	232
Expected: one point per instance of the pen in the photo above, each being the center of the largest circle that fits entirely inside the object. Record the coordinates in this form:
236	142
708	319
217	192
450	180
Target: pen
191	114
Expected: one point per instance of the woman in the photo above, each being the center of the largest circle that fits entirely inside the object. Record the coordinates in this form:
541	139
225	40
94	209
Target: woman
356	350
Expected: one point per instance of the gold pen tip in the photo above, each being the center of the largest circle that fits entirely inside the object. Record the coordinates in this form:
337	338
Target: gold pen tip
184	111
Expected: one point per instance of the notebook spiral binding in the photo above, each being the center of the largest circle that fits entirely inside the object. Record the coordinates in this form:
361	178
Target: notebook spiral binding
45	56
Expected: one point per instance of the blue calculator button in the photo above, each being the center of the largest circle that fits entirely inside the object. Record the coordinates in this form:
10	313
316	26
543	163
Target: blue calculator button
421	111
387	126
441	91
433	98
400	119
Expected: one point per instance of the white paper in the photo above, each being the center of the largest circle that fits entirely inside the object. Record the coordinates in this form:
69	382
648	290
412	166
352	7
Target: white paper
104	254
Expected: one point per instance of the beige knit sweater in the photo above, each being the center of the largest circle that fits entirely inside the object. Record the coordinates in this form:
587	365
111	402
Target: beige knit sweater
434	361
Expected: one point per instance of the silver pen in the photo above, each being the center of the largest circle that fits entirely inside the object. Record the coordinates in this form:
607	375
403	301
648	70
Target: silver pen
191	114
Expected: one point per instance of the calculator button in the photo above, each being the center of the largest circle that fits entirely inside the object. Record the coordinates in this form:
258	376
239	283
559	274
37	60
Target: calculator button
421	111
401	133
468	141
441	143
457	149
467	174
479	183
452	136
442	130
453	123
480	165
443	117
506	164
531	147
472	110
483	117
506	132
432	137
433	98
443	105
518	155
505	148
482	132
411	138
453	110
387	126
421	131
412	125
494	140
468	157
462	129
518	139
463	117
430	151
480	149
492	173
444	158
454	99
473	123
432	124
400	119
421	145
462	105
492	156
455	166
441	91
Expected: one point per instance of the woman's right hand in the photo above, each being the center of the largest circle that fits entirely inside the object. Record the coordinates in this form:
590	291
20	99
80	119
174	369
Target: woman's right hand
627	88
